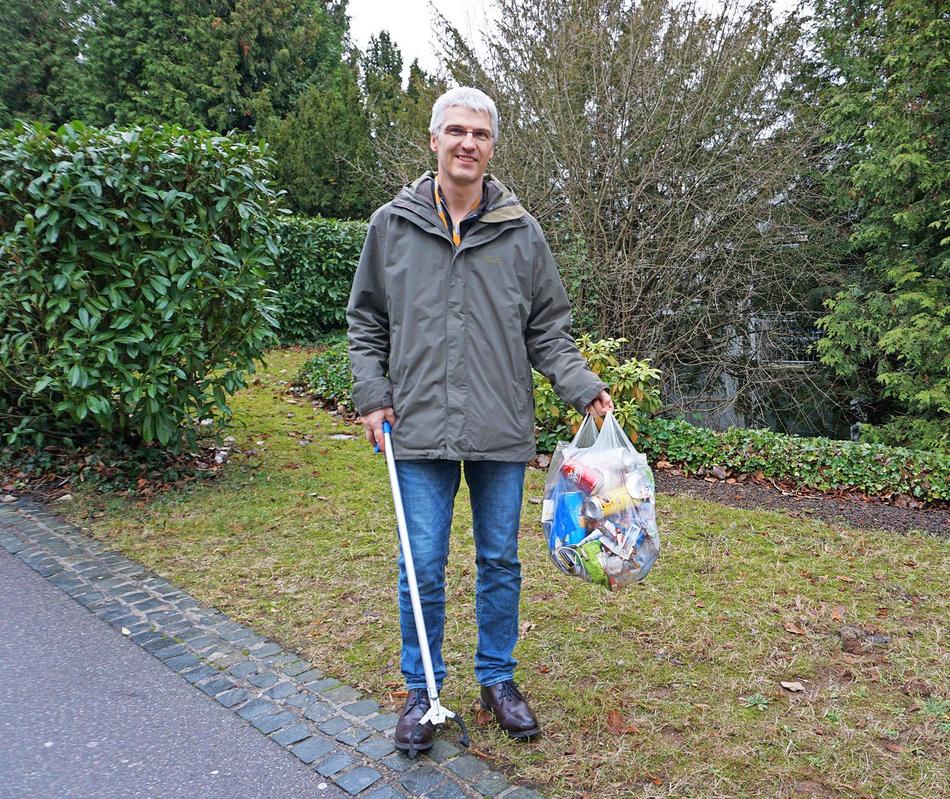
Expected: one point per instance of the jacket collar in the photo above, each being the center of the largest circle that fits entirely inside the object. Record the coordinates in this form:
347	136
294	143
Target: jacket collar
416	199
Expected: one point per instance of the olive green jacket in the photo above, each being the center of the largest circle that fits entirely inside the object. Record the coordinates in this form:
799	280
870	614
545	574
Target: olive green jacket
447	336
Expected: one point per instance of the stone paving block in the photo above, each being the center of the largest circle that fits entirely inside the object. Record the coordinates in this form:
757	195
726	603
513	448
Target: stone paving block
351	736
384	721
233	697
326	684
182	662
446	790
261	650
14	545
342	694
264	679
334	764
89	599
276	661
442	750
112	611
202	642
302	700
524	793
199	673
235	634
188	636
309	675
359	779
386	792
226	661
48	568
362	708
148	604
294	668
421	779
243	668
282	690
217	686
398	761
292	735
491	783
170	651
376	748
334	726
146	636
162	642
320	711
467	767
273	722
312	748
137	596
256	708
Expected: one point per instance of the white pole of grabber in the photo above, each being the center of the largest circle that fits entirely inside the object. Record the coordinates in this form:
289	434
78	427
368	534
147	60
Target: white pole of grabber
410	572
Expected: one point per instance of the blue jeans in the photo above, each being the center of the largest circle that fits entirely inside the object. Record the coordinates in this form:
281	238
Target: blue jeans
428	495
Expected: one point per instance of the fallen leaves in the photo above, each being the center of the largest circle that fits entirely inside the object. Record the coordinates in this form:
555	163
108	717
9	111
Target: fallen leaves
794	629
837	613
618	725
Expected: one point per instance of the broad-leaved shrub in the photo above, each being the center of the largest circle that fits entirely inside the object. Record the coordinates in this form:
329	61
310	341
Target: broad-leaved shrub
132	287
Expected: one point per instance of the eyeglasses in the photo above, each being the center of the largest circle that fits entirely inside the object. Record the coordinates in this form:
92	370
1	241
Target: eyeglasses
458	132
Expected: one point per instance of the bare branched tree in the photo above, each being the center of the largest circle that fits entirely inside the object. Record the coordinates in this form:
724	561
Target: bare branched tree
655	143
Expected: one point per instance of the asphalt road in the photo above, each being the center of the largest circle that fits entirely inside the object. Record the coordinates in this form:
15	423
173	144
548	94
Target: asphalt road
85	713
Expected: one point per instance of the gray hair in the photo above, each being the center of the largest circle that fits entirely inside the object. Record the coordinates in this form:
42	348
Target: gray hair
463	97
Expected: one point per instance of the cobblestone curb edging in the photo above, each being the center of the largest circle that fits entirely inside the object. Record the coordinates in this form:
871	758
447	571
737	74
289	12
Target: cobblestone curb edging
344	736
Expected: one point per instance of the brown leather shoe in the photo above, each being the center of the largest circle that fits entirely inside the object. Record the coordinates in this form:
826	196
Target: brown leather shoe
510	709
417	703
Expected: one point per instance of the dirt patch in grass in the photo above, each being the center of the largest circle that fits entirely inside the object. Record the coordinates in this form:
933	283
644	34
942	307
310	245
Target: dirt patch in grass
859	513
671	688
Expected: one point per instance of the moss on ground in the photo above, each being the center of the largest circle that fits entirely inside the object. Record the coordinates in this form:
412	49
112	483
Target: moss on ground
298	541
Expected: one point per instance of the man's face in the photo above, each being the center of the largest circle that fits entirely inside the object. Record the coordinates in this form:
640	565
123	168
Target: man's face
462	157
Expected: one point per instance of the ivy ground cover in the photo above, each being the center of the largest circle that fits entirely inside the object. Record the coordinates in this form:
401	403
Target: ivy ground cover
671	689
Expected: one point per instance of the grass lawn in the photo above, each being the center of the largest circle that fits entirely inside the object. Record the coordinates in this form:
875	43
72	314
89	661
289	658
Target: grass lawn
672	688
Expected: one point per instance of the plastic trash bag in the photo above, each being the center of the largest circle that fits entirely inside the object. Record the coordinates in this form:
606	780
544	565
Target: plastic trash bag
599	509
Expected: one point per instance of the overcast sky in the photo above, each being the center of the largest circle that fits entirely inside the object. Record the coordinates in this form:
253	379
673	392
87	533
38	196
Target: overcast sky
410	23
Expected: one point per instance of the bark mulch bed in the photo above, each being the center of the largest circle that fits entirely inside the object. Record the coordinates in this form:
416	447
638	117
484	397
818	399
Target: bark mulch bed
859	512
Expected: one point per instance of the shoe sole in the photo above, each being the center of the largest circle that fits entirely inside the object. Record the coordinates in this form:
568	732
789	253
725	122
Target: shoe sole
518	736
418	747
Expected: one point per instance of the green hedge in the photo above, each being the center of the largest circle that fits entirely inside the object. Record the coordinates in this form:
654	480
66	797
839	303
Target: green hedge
313	273
819	463
906	431
132	289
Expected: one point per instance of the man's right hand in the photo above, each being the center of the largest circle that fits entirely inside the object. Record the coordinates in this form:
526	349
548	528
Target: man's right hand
373	425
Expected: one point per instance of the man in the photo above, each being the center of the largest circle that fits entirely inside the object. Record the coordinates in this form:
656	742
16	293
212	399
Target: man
455	298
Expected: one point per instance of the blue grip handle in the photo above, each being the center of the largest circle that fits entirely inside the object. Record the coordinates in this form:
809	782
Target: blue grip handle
387	428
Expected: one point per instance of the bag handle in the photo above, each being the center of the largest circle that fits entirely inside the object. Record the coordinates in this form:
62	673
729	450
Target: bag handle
586	435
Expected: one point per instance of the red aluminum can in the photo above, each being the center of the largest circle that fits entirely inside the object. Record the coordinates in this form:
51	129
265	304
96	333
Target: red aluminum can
584	477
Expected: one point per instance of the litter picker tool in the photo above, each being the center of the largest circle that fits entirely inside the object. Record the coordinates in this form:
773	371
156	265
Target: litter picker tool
436	714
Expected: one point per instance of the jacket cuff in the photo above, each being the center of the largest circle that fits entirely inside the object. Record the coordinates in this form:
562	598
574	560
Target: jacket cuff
589	395
371	395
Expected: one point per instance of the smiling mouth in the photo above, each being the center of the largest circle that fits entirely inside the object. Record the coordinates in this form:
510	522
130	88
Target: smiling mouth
466	159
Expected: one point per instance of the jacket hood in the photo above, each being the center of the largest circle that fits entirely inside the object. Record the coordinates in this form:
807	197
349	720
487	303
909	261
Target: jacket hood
502	206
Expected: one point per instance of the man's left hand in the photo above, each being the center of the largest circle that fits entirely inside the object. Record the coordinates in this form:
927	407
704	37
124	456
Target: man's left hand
601	405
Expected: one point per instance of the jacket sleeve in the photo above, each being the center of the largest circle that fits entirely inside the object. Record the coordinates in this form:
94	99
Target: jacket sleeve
368	327
551	347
